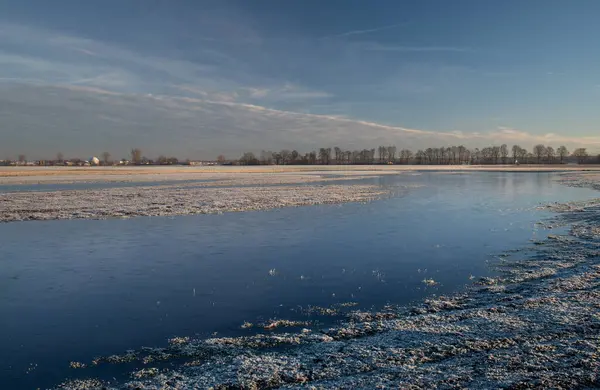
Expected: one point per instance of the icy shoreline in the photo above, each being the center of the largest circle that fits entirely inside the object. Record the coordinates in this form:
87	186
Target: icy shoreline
172	200
537	325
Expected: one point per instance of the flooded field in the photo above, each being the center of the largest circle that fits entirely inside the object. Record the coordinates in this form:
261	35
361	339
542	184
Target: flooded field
438	273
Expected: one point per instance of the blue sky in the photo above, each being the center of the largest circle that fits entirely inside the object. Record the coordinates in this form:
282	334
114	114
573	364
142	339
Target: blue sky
195	79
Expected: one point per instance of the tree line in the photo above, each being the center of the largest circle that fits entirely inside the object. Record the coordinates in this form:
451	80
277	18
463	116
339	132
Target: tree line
451	155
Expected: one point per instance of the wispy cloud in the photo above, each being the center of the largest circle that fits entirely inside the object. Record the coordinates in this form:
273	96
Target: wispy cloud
366	31
85	51
58	58
269	94
396	48
288	92
203	128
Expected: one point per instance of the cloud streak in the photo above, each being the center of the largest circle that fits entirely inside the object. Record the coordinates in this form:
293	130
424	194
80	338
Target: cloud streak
86	121
361	32
371	46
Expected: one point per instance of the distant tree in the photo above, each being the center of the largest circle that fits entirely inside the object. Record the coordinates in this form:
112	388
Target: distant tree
60	158
382	150
581	155
523	154
325	155
442	156
338	155
477	156
22	158
453	155
294	156
429	155
221	159
562	153
550	154
529	157
421	157
515	152
406	155
249	159
495	152
391	153
504	153
539	151
106	158
285	156
136	156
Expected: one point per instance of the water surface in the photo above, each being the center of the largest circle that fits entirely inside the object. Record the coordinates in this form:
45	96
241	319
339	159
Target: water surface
72	290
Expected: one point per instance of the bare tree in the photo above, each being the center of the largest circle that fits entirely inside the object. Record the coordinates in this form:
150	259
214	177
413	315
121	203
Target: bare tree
22	159
523	154
550	154
60	158
441	155
504	153
476	156
539	151
405	155
429	155
495	154
106	158
515	152
221	159
562	153
249	159
454	154
581	155
338	154
391	153
285	156
421	156
294	156
325	155
382	150
136	156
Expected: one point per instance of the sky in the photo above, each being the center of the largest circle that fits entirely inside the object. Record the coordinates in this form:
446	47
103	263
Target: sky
196	79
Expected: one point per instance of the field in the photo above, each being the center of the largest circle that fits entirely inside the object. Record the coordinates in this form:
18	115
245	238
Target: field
23	175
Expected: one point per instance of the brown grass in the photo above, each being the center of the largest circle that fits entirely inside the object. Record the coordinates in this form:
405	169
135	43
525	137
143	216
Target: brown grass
32	175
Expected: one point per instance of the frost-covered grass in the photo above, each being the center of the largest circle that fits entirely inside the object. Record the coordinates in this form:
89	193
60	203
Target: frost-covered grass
172	200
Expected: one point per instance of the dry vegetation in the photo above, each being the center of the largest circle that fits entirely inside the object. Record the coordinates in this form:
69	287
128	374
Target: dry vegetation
16	175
